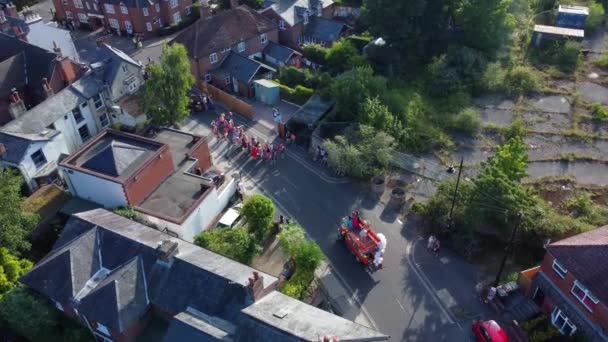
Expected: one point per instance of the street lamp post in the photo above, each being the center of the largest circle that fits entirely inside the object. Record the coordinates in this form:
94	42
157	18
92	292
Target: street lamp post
518	219
450	217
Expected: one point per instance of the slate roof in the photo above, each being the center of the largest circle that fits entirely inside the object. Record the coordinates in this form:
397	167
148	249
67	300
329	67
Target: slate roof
112	59
117	158
16	147
224	30
279	52
312	111
288	319
586	257
238	66
192	325
326	30
292	10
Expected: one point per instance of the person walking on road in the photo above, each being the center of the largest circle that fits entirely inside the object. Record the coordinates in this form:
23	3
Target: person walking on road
436	248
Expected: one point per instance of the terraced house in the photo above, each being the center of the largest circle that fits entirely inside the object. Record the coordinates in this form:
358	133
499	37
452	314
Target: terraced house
122	16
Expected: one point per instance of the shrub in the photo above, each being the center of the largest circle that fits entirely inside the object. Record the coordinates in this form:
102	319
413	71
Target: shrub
11	268
308	256
298	284
521	79
290	237
342	56
596	16
127	212
602	62
259	212
234	243
291	76
600	113
315	53
516	129
567	56
582	206
467	121
299	95
359	42
493	77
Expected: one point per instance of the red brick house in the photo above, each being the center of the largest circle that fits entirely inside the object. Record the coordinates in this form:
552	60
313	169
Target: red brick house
122	16
223	48
304	21
571	284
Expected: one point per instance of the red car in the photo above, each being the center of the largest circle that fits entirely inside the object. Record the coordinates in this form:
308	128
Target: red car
489	331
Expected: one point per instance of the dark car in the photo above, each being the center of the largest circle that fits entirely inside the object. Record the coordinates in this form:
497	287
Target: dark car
217	178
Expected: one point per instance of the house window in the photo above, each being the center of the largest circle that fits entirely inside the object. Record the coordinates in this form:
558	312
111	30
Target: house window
104	120
213	58
83	18
78	3
84	133
264	38
188	10
148	27
114	23
584	296
559	269
123	9
227	80
173	3
241	47
65	2
69	15
109	9
129	29
562	323
97	101
306	14
132	87
95	7
38	158
145	10
84	105
102	329
77	115
88	6
282	25
157	7
224	50
207	77
177	17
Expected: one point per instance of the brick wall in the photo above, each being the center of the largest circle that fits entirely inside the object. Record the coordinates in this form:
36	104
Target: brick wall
201	152
600	314
138	186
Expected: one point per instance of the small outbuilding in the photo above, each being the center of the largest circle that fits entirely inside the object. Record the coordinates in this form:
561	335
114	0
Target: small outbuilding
267	92
572	16
544	33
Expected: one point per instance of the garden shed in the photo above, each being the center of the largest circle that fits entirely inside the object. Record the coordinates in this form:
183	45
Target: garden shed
571	16
267	92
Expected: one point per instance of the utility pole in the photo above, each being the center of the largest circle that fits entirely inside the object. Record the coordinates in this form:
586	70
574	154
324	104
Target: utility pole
450	217
518	219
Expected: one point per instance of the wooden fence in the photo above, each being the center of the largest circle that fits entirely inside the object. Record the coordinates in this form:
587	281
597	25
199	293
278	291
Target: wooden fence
228	100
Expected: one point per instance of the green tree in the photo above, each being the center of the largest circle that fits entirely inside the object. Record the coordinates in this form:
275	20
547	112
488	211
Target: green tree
352	88
511	159
486	23
467	121
290	237
11	268
375	114
234	243
165	95
16	222
308	256
596	16
259	212
315	53
521	79
342	56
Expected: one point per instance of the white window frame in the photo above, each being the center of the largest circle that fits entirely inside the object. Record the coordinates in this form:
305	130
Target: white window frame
560	270
44	161
95	7
587	294
224	50
213	58
69	15
227	80
263	38
87	5
101	104
102	118
157	7
241	47
177	17
306	14
114	23
78	4
145	11
58	306
282	25
149	27
109	8
188	10
207	77
132	87
102	329
123	9
173	3
83	18
129	28
555	315
84	127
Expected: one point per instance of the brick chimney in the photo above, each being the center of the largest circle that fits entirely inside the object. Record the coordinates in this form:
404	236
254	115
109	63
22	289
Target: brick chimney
205	10
67	70
234	3
166	249
19	33
48	90
255	286
16	107
56	48
11	10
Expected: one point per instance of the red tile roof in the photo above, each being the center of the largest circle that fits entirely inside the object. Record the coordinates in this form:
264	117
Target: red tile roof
586	257
224	30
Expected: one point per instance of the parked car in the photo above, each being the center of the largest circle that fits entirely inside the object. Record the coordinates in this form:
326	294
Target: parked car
489	331
231	217
216	177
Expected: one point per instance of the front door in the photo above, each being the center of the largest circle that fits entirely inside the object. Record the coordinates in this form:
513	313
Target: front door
539	296
235	85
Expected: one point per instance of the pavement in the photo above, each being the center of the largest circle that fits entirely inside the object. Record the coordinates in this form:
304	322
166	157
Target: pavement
415	297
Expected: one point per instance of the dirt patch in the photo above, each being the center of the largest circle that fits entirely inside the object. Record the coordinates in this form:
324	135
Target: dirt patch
553	146
551	104
594	127
585	172
593	93
496	116
494	102
547	122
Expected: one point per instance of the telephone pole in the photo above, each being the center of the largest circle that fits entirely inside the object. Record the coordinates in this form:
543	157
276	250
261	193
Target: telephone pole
518	220
450	217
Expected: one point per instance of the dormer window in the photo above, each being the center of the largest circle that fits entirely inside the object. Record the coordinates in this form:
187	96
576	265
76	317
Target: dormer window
123	9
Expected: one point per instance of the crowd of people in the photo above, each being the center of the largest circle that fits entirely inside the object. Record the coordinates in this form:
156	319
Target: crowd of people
224	128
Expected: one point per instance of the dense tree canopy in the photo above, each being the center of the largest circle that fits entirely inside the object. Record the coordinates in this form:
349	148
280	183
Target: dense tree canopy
486	23
259	212
234	243
16	223
352	88
165	95
11	268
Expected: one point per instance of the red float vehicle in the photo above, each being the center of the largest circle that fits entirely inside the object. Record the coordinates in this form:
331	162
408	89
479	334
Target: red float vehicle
363	242
489	331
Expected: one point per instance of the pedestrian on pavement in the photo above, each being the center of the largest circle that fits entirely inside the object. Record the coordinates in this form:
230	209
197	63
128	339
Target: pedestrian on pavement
431	243
436	248
293	139
254	152
281	219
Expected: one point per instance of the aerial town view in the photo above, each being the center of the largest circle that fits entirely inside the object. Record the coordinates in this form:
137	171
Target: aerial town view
303	170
